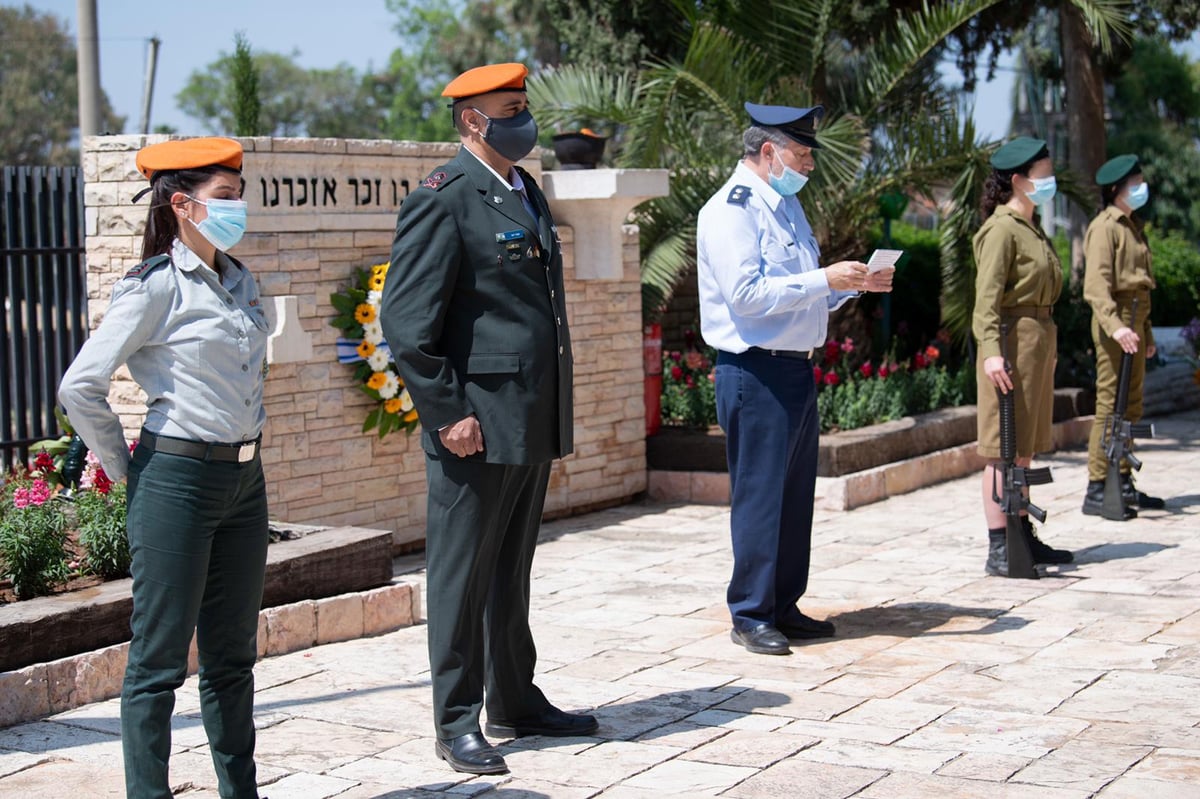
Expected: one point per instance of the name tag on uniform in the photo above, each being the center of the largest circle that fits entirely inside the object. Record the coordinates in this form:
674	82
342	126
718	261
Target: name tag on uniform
510	235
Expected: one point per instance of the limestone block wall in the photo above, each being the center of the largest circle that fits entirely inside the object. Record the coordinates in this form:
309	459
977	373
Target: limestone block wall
319	208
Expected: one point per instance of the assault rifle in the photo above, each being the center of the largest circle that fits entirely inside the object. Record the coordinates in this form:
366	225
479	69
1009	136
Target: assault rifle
1013	497
1119	434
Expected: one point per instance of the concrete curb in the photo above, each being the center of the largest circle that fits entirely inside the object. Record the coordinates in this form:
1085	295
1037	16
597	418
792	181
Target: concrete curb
44	689
858	488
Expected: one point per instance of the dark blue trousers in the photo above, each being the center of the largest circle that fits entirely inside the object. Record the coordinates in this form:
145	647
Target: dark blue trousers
768	409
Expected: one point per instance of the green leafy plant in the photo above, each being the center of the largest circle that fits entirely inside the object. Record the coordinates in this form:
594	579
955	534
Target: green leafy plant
689	393
33	539
100	522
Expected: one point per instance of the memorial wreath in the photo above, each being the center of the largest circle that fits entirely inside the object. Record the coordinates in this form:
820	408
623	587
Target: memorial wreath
362	346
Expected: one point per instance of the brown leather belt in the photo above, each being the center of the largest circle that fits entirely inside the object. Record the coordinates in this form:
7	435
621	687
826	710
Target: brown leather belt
223	453
1028	311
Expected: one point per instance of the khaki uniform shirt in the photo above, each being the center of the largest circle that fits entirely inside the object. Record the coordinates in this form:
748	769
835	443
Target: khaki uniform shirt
1118	262
1016	265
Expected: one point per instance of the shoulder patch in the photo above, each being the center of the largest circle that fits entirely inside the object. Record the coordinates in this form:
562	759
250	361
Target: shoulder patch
434	180
143	270
738	195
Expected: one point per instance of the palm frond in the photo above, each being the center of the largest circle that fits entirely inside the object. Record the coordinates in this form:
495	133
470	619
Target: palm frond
1106	19
570	95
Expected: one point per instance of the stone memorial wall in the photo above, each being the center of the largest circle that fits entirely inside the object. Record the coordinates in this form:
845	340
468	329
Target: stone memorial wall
319	209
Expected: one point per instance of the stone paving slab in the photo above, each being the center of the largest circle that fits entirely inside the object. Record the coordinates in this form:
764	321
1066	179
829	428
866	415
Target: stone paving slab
942	681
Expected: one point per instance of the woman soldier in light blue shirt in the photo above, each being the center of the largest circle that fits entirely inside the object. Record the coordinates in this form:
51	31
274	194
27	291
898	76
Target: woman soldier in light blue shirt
189	323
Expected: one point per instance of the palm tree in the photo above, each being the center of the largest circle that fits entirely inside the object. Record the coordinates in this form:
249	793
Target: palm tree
889	127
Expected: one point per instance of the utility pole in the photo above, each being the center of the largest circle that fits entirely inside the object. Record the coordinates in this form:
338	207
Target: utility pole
148	87
89	68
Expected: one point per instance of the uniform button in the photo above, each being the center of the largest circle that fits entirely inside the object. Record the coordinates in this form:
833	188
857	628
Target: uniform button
557	320
245	368
247	403
551	293
560	350
241	334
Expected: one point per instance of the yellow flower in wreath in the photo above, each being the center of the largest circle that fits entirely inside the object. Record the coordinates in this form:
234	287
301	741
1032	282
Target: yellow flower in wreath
411	416
392	405
364	313
376	381
365	349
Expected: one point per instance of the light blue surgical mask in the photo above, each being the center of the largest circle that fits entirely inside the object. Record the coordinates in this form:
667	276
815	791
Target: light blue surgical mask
1044	190
225	223
788	182
1137	195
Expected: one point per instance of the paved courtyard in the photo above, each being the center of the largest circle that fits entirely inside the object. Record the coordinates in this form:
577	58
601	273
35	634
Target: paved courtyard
941	682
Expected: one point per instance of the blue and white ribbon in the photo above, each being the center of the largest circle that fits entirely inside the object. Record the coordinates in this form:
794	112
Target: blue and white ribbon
347	350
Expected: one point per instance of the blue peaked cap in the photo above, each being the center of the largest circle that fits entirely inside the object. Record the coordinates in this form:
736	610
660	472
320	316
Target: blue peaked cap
796	123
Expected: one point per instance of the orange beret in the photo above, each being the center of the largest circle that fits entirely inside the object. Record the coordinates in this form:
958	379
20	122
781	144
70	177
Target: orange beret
189	154
490	78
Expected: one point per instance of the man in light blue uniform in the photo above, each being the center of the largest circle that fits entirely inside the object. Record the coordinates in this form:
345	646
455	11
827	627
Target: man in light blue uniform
764	305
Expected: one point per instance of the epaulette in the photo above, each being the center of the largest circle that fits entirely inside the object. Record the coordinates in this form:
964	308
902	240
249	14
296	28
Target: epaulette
143	270
738	195
440	179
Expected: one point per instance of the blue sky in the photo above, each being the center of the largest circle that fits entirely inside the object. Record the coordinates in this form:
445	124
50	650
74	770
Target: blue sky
321	33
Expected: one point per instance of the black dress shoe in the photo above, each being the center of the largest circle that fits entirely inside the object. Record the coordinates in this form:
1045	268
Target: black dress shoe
471	754
801	627
1138	498
761	639
1093	501
552	722
1041	551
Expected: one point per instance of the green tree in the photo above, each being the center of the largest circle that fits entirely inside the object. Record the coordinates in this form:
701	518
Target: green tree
246	105
39	90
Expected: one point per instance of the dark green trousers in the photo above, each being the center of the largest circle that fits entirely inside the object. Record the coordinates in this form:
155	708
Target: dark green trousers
479	543
198	535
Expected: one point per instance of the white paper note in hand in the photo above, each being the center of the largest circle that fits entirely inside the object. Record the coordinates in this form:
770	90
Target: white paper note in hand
883	259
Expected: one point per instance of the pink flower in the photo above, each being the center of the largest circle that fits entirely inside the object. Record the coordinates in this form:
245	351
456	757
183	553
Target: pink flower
831	379
691	382
694	360
37	493
817	374
848	345
866	370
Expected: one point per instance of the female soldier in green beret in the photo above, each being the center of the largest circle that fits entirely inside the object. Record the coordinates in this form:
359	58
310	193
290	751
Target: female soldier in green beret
1117	259
1019	278
189	323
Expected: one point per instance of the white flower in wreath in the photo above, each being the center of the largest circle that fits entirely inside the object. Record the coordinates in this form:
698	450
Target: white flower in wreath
406	403
391	385
378	361
374	298
373	332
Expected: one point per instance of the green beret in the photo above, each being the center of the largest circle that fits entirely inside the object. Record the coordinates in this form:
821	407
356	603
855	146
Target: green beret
1117	169
1019	152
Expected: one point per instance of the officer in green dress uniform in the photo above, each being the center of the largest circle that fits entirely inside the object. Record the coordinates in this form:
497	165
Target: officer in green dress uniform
1117	271
474	312
1018	280
189	323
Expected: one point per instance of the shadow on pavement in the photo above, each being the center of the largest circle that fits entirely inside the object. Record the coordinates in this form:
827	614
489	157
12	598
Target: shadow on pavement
1120	551
914	619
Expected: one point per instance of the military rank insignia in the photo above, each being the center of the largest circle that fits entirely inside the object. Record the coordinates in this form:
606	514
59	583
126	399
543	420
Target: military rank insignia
434	180
739	195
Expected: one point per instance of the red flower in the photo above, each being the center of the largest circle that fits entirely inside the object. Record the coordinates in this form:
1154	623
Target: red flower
919	360
817	373
866	369
691	382
676	356
883	371
932	353
848	345
831	379
832	351
101	482
43	462
676	373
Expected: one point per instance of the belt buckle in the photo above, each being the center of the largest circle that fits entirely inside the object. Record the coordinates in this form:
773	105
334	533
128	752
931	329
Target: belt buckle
246	452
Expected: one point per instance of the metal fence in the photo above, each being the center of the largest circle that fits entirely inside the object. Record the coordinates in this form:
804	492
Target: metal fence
43	299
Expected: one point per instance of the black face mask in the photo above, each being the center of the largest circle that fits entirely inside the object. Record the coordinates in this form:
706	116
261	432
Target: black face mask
512	137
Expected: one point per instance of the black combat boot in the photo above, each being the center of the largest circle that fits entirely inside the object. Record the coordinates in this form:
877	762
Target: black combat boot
997	559
1134	497
1040	551
1093	501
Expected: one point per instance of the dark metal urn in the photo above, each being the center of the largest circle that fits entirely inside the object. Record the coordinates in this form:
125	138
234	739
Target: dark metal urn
581	150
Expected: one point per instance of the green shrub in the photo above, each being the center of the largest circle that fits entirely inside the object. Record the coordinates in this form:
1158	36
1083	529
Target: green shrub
33	540
689	397
1176	265
916	288
100	521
